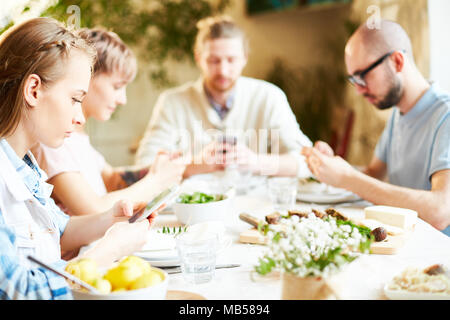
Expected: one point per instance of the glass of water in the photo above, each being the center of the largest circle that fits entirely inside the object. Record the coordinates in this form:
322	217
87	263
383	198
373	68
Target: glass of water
282	191
197	253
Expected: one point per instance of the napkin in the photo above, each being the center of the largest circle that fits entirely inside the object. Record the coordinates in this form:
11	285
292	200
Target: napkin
156	240
201	230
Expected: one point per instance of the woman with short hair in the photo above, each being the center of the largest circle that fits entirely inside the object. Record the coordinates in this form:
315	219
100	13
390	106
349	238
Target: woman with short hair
83	181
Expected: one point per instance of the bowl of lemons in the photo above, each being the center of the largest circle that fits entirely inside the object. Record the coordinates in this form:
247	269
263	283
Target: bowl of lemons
131	278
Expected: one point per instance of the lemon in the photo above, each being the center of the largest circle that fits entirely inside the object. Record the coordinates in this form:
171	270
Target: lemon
146	280
102	285
85	269
74	269
133	260
123	275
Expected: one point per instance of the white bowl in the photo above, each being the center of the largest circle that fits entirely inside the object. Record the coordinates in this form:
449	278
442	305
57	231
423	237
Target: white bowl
156	292
192	213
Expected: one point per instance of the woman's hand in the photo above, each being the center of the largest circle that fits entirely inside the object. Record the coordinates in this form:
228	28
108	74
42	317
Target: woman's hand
123	210
122	238
125	238
167	169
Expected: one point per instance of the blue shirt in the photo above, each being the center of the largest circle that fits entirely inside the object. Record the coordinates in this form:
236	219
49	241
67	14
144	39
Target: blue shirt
17	281
416	145
222	111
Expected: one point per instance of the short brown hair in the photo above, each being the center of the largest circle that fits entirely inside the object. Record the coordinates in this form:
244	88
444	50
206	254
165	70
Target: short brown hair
38	46
218	27
113	55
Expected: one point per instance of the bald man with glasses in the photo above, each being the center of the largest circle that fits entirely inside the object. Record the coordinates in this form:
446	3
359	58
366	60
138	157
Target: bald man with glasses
414	149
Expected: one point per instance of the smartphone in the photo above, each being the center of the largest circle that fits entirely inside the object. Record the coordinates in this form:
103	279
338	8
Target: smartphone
164	197
227	139
231	140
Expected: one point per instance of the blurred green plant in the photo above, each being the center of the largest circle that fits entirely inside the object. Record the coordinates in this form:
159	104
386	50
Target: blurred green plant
160	30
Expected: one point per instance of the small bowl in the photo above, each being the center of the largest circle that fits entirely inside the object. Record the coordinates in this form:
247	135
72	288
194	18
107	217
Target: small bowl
192	213
156	292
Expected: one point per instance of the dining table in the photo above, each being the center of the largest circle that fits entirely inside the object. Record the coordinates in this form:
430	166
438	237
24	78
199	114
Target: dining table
364	279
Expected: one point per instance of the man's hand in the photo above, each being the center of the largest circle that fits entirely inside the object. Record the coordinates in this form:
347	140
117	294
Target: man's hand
212	158
332	170
324	148
245	158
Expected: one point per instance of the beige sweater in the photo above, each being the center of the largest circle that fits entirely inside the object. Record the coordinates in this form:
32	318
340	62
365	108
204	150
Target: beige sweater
260	116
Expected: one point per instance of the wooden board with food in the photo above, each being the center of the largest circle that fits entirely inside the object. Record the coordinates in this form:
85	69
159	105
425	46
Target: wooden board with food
389	226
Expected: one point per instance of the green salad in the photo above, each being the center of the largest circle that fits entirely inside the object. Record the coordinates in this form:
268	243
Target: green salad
312	179
199	197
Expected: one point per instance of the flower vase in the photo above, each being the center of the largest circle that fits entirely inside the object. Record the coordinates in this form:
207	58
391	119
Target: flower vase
305	288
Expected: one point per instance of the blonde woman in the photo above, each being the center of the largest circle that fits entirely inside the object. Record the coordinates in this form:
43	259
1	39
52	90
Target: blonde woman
45	72
83	181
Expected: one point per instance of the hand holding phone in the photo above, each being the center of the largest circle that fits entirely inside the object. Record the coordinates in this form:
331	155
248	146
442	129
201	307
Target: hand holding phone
229	140
164	197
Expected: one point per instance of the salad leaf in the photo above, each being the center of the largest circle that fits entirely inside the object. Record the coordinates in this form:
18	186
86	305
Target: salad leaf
198	197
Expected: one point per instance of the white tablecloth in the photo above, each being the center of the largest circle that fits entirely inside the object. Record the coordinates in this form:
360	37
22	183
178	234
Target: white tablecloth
364	279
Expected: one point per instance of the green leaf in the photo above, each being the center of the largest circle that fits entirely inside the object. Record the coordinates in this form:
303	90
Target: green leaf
265	265
161	32
276	237
197	197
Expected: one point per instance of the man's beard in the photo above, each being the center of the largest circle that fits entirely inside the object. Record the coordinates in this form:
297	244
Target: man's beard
222	89
393	96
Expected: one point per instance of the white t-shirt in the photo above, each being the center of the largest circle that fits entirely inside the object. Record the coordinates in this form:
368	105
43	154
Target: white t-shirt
75	155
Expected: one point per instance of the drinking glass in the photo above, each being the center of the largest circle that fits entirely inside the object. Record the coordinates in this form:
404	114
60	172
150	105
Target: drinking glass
197	255
282	191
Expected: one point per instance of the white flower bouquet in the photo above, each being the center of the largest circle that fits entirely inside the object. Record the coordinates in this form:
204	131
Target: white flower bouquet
312	246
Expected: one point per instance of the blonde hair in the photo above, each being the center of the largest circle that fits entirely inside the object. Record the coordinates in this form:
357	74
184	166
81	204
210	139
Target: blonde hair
113	55
216	28
38	46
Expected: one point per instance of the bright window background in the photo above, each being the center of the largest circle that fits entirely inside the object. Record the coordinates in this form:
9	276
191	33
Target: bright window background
438	11
18	10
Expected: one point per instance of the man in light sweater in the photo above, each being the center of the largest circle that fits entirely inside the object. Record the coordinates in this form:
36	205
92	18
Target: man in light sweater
224	118
414	149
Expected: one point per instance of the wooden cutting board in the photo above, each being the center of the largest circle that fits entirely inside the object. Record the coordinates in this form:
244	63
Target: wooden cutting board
390	245
252	236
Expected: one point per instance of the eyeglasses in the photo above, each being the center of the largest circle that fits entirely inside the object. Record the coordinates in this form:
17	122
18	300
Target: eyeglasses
358	77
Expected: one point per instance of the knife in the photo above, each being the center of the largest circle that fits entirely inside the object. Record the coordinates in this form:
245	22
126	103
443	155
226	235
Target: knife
65	275
218	266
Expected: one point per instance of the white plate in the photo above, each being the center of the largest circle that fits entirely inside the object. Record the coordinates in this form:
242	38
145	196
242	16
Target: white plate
333	195
169	258
317	192
407	295
164	255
